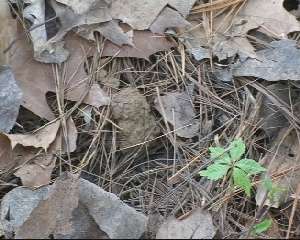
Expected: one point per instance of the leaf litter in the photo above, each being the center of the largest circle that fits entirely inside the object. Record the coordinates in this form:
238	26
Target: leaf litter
131	94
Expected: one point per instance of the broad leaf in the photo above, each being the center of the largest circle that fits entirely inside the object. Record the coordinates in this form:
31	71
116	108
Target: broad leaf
241	180
250	166
219	155
237	149
262	227
215	171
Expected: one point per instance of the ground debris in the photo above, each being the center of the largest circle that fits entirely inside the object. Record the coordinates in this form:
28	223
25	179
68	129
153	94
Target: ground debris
198	225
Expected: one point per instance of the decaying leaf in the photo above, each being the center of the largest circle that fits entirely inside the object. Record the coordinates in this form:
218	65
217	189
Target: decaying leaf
178	110
282	158
145	44
133	116
10	99
278	62
42	138
6	156
198	225
168	18
38	172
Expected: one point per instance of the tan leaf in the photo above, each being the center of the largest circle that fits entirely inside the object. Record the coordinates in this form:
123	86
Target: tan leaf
38	173
145	44
41	138
198	225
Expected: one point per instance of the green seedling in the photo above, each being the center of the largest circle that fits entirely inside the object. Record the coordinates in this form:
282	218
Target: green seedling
261	227
229	163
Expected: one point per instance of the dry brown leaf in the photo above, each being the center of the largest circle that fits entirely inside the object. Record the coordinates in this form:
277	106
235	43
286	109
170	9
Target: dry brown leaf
168	18
53	215
6	158
36	79
139	14
38	173
145	44
41	138
198	225
110	30
177	109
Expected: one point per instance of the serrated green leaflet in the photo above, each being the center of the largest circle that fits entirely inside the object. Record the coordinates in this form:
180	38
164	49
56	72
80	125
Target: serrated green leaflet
241	180
215	171
250	166
219	155
237	149
262	226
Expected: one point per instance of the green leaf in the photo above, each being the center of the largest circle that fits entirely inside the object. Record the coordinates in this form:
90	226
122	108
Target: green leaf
215	171
250	166
237	149
262	226
268	184
219	155
241	180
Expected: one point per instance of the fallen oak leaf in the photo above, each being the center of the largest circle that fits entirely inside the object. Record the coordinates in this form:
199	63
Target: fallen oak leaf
145	44
36	79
